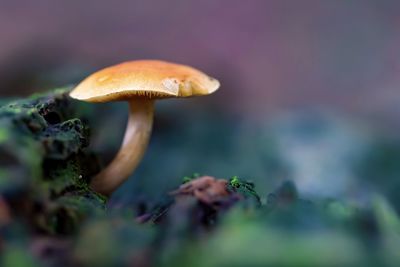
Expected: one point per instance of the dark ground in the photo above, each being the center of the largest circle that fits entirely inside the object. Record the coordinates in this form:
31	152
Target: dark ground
49	217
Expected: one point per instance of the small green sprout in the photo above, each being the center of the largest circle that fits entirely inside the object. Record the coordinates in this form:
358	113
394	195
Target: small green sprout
187	179
235	182
244	187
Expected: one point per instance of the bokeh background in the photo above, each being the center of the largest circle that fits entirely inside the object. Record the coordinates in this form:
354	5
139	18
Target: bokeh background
310	89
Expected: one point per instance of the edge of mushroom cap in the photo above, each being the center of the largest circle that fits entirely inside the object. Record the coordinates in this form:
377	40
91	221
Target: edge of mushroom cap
197	84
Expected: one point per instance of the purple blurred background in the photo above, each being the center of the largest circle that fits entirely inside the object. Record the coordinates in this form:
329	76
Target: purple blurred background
269	55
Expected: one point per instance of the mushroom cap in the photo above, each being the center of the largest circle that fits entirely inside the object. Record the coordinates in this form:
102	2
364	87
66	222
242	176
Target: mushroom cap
144	78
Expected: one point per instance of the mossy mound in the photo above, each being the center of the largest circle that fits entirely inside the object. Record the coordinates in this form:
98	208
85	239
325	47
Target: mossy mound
44	164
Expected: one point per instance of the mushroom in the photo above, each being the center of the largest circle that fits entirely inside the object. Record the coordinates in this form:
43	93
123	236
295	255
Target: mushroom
140	83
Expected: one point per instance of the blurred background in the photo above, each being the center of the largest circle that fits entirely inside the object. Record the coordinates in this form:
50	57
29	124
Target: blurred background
310	89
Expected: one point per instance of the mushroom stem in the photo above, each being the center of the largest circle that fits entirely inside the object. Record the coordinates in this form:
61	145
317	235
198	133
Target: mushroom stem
134	145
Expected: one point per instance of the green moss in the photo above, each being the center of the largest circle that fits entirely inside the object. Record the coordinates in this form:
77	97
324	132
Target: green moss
3	177
234	182
3	135
187	179
246	188
17	257
46	145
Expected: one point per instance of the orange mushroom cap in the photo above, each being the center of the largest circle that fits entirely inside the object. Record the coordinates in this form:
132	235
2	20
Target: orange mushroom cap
144	78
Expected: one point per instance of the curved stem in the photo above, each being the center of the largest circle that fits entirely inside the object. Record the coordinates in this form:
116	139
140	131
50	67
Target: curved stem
135	142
